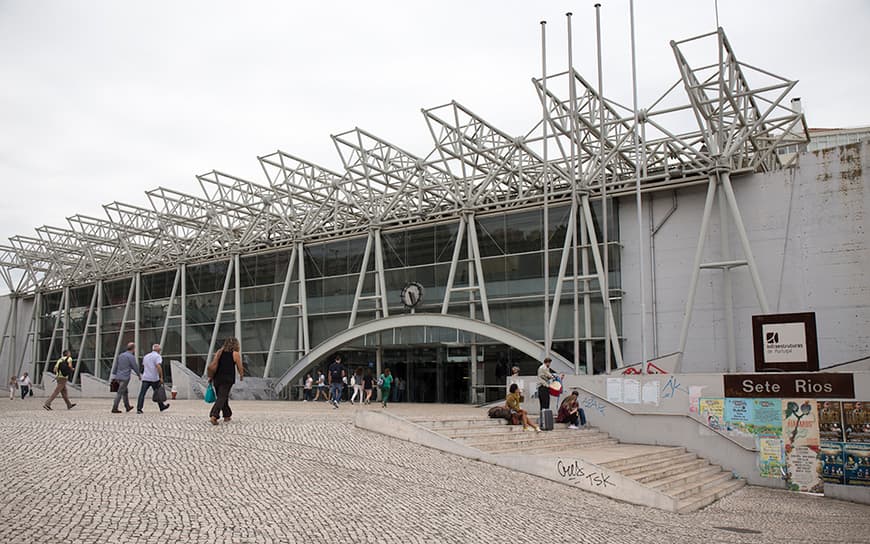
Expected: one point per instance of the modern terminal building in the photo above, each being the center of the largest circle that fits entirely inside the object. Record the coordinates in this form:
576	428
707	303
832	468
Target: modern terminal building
487	252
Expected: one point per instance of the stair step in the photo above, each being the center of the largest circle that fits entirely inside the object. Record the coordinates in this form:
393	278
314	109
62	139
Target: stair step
699	485
676	468
537	438
708	496
677	480
545	447
459	423
656	464
636	460
508	432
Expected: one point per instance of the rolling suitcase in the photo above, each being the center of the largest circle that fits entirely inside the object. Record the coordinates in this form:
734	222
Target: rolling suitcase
546	422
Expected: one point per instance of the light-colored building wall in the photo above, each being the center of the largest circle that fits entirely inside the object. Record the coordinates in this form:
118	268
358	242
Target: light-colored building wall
808	227
15	354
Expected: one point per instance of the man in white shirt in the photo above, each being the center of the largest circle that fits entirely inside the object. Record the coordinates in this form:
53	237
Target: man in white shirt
152	377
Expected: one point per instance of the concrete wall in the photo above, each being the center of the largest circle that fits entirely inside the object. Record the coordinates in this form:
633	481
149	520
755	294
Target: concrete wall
11	357
808	227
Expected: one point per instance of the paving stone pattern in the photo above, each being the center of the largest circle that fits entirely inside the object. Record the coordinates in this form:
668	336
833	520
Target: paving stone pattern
292	472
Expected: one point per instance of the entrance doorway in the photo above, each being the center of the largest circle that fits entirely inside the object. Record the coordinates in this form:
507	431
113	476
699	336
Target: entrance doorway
428	376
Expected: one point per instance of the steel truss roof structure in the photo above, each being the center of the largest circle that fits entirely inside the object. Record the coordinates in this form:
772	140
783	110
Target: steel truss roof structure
739	111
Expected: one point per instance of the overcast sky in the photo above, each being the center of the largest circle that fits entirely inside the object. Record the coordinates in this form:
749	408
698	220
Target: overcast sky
101	101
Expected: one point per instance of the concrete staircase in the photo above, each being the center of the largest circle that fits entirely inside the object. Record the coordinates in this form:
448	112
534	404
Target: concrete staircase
496	436
691	481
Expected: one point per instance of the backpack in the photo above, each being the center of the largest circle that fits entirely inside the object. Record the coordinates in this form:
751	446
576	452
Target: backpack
381	380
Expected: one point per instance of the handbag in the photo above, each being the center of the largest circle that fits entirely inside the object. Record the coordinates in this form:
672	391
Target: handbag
209	394
159	394
114	385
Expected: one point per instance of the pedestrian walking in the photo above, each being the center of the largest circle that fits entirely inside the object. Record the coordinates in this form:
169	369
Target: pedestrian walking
125	365
357	382
13	387
25	384
321	386
368	386
306	389
63	372
152	377
336	373
400	384
222	373
386	382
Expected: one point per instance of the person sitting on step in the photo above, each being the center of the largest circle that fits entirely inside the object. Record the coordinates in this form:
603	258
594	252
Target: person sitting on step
571	413
518	415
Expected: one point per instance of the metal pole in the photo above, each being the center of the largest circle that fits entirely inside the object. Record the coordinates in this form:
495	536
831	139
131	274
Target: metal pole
220	313
602	135
572	93
379	266
546	184
98	334
34	326
303	298
184	315
481	284
65	341
238	300
137	314
587	295
696	269
730	344
280	313
360	281
744	241
85	335
638	201
454	262
169	307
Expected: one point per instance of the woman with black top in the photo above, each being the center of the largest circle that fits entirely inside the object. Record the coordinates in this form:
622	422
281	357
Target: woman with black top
222	372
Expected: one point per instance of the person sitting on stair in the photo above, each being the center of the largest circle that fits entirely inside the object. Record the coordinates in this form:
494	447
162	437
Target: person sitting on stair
571	413
518	415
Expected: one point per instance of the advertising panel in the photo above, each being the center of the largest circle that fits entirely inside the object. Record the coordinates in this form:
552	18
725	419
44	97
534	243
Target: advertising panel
800	432
712	411
831	421
771	457
831	462
857	466
856	420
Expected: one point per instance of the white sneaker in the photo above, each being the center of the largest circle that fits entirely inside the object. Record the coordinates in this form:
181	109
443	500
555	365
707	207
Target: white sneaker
573	427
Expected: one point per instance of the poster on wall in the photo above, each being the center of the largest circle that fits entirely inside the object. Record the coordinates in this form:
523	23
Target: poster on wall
631	391
800	433
771	457
712	411
857	464
695	392
753	417
614	389
856	421
651	392
831	462
831	421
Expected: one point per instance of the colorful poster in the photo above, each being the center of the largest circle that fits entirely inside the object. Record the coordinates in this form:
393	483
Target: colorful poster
800	425
767	416
771	457
857	464
712	411
800	433
856	419
631	391
831	462
831	421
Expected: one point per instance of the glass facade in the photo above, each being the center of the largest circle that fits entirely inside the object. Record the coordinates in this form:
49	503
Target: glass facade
512	258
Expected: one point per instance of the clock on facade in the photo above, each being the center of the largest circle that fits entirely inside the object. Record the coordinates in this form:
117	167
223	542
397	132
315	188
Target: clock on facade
412	294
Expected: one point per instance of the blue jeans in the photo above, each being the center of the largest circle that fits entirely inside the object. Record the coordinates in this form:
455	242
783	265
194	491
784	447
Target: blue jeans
142	390
335	392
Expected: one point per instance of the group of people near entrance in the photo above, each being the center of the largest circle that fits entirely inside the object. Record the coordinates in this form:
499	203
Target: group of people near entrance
570	411
337	377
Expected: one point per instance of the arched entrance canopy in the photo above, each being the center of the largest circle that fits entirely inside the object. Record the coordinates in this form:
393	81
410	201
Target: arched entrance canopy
495	332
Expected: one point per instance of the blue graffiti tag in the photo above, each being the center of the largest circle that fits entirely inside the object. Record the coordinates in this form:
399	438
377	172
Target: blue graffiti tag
671	387
591	403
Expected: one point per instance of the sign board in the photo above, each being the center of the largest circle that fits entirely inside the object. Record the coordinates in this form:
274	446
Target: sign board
785	342
817	385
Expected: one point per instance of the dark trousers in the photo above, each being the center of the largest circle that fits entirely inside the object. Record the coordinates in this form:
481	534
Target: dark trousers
24	391
544	396
140	402
222	403
577	419
307	394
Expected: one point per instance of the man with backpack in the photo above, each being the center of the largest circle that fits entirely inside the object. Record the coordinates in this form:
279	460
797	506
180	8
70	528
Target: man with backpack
336	375
63	372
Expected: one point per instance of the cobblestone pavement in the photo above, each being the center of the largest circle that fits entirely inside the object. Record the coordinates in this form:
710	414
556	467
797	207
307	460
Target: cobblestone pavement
294	472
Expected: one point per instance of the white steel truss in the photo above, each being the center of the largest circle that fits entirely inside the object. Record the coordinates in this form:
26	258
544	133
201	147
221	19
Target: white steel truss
741	120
